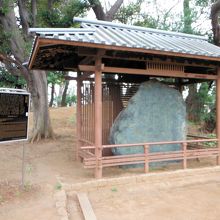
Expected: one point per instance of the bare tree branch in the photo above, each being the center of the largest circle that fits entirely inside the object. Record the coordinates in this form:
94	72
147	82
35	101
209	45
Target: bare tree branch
113	10
8	61
215	9
98	9
4	59
49	4
24	16
8	22
166	14
34	12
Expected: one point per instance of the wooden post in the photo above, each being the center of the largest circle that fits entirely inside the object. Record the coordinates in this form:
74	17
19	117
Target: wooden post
79	115
23	166
146	163
98	117
184	146
218	114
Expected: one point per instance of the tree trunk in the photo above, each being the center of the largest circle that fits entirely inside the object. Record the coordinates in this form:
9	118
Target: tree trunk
215	22
113	10
34	12
99	12
192	103
210	121
191	100
63	100
36	80
187	17
42	124
24	16
52	95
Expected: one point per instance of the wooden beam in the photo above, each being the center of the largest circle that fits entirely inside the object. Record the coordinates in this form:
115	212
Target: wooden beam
218	113
84	51
86	60
146	58
145	72
192	81
195	81
45	41
98	116
86	207
34	54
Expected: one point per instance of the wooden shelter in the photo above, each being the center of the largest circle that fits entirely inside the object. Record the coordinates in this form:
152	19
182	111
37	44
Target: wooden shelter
111	60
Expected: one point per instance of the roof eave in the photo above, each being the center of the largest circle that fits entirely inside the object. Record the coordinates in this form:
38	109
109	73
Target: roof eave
33	52
40	41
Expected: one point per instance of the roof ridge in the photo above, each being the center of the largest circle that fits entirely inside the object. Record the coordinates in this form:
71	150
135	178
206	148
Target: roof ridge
139	28
60	30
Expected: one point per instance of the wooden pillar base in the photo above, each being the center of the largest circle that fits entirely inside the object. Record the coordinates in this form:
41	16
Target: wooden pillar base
98	169
184	146
218	157
146	164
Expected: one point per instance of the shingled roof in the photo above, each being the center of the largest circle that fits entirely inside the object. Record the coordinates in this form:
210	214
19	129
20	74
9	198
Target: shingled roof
109	33
98	34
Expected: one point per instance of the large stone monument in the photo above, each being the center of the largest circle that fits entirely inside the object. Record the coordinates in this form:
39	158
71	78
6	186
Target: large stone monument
155	113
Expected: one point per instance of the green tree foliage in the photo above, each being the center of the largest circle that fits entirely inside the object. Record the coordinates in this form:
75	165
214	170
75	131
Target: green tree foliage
4	40
71	99
10	81
210	116
154	14
55	77
60	14
128	14
16	17
201	101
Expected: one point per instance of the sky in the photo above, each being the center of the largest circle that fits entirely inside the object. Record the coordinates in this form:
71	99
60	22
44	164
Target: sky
149	6
159	7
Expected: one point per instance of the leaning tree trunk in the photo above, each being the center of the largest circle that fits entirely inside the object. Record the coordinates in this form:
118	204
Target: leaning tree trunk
192	103
42	125
63	100
52	95
210	121
215	9
36	80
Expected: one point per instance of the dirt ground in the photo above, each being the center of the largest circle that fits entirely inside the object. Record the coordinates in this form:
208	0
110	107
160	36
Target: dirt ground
53	161
133	203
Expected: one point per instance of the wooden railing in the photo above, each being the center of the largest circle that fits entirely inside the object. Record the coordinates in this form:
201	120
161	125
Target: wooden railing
91	161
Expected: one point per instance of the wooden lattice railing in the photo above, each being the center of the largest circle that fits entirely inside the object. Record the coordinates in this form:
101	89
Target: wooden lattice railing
90	160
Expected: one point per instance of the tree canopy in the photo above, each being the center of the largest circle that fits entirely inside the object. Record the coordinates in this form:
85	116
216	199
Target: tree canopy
16	16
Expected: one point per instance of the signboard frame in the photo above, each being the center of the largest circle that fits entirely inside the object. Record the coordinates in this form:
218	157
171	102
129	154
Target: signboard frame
18	92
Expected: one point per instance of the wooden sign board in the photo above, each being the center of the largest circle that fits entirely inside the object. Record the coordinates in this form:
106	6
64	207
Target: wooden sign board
14	108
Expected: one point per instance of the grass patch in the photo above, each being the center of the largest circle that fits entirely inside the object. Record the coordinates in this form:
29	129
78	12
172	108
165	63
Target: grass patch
58	186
